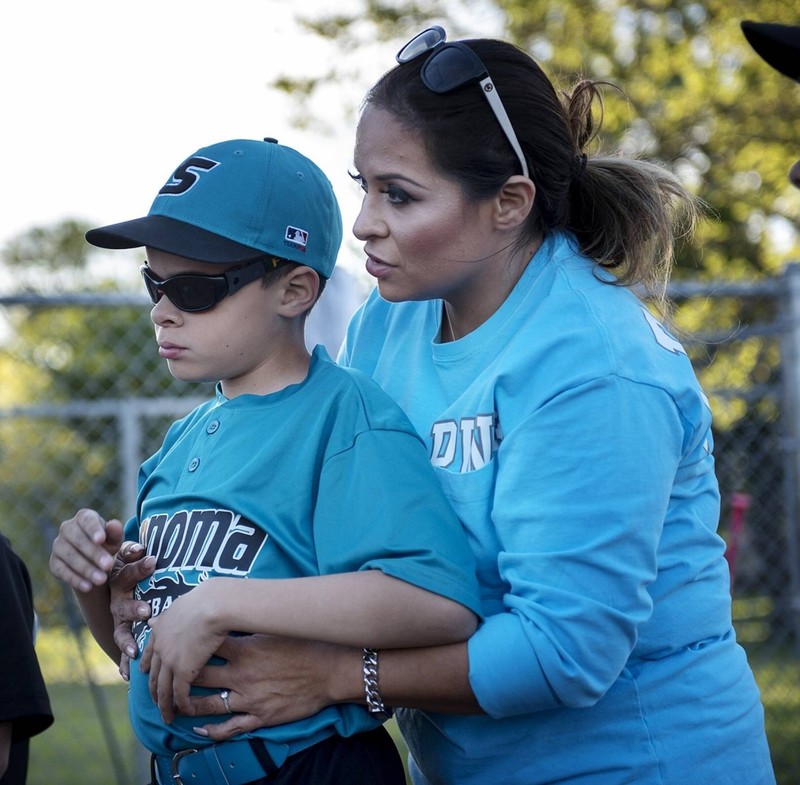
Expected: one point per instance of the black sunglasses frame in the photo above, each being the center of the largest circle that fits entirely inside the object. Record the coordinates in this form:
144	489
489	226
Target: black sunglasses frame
453	65
193	292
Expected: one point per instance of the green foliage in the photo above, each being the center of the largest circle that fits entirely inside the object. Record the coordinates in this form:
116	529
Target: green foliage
692	94
74	750
47	248
76	370
698	99
684	88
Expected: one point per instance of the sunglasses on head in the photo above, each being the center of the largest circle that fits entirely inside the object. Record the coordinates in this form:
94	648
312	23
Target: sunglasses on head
194	292
450	66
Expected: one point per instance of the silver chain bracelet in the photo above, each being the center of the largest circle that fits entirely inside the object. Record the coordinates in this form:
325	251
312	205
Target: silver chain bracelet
375	703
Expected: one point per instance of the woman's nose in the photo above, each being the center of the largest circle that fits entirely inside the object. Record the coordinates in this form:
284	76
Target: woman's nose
368	223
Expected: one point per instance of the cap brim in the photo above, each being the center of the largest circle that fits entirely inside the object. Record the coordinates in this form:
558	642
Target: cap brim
172	236
777	45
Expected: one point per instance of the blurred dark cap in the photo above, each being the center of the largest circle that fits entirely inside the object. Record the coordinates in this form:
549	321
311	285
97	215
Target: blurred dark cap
778	45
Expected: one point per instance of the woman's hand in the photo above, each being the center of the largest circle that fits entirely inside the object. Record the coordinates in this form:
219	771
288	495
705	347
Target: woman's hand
182	639
273	680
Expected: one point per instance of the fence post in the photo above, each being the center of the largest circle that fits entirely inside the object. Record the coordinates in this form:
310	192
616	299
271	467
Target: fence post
790	373
130	453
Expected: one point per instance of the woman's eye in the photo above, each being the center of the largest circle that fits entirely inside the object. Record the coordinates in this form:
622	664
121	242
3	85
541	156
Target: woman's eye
359	179
396	195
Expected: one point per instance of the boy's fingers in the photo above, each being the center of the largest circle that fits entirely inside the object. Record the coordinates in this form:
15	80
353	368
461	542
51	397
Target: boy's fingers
124	578
125	666
71	566
80	554
126	610
113	535
130	551
125	642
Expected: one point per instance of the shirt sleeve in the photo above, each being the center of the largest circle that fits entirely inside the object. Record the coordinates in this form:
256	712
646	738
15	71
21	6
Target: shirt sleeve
583	487
23	696
380	506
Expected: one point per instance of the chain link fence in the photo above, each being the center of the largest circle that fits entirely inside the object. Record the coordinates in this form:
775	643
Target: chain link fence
85	399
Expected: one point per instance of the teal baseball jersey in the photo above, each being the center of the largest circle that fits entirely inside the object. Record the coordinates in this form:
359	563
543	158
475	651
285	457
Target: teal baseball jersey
325	476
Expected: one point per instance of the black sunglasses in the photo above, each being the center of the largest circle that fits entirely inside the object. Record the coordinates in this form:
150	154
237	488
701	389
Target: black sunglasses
450	66
194	292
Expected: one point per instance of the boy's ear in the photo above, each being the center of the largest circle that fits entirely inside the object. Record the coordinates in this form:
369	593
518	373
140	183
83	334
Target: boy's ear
514	202
299	289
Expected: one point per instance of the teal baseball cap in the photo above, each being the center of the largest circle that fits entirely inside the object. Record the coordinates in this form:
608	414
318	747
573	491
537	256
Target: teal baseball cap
235	201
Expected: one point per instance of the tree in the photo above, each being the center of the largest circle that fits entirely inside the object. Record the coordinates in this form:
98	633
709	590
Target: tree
77	355
685	89
692	94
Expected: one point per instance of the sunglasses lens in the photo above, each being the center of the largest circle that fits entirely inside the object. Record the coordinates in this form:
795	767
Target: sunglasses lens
452	66
191	293
186	292
419	44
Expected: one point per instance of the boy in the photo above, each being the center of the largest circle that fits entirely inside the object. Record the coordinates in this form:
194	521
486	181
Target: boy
296	468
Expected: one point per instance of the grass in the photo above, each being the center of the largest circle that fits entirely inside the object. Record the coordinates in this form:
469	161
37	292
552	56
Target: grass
91	742
75	750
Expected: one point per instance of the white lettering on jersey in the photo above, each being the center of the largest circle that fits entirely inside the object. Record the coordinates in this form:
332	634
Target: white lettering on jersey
189	546
477	444
445	437
217	540
475	438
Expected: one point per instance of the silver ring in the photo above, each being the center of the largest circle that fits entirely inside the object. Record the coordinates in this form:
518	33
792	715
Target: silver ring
224	695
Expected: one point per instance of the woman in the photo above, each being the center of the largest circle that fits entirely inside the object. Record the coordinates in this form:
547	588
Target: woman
568	430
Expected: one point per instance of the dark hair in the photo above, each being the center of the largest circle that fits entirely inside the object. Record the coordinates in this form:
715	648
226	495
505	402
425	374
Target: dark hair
625	213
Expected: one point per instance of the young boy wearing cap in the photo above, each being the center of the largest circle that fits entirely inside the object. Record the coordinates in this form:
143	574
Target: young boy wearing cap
297	468
779	46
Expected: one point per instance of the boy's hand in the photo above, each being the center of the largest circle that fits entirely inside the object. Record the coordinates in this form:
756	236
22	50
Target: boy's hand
130	567
84	549
182	640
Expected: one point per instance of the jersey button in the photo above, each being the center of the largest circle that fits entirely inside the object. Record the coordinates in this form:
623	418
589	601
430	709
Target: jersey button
213	426
193	464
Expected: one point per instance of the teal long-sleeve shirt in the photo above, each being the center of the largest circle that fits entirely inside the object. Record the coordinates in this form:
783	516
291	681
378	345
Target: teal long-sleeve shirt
573	440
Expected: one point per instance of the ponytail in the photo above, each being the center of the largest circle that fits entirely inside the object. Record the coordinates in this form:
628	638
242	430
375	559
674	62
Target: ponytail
626	213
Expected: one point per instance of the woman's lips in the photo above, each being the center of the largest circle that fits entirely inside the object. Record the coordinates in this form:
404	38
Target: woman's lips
377	268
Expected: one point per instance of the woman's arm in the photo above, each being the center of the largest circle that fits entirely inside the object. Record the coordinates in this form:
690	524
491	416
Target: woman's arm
286	679
366	608
433	678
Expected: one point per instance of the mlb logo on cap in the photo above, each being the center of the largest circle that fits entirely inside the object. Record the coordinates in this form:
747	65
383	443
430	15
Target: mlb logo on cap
296	238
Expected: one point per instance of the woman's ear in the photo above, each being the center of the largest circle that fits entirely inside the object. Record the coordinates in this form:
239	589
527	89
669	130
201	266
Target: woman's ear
299	291
514	202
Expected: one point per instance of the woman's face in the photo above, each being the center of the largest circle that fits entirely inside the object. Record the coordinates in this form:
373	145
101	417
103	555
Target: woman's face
423	238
